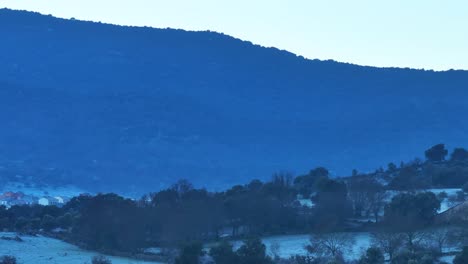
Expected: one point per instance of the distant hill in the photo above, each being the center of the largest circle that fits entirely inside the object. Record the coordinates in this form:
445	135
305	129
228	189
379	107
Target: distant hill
131	109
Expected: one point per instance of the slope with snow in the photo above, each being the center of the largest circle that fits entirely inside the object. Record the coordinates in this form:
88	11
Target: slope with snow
43	250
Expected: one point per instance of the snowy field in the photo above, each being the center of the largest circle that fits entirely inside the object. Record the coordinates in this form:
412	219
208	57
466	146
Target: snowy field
445	204
42	250
291	245
448	259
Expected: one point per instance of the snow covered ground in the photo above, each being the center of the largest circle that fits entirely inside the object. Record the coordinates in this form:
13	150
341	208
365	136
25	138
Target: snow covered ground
448	259
43	250
445	204
291	245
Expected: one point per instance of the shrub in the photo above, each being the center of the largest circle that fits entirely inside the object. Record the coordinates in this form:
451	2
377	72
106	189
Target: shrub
224	254
190	253
100	260
442	195
8	260
373	256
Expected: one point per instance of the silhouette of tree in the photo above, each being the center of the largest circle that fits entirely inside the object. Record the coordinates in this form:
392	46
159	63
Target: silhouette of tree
408	213
459	154
436	153
330	244
190	253
373	256
223	253
307	184
253	251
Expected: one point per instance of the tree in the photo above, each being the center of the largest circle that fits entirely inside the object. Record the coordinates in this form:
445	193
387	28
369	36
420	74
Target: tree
224	254
367	196
414	256
377	204
253	251
48	223
275	249
307	184
409	213
190	253
330	245
182	186
436	153
409	178
331	194
391	167
299	259
388	242
373	256
440	238
280	187
459	154
109	222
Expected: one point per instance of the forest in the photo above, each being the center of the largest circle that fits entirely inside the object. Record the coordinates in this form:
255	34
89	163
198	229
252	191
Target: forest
88	104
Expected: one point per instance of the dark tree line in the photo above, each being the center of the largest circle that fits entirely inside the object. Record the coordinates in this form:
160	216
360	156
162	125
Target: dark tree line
110	223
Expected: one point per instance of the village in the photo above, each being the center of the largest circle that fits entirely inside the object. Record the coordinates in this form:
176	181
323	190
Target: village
10	198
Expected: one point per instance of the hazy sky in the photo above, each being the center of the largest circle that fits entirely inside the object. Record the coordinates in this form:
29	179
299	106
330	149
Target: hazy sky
430	34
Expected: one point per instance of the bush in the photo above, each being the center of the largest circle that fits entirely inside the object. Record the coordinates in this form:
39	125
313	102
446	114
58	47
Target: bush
224	254
442	195
419	256
8	260
298	259
48	223
253	252
100	260
190	253
373	256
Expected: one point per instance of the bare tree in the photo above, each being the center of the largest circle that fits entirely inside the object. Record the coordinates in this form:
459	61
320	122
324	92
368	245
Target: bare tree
439	238
388	242
275	249
367	196
414	238
332	245
377	203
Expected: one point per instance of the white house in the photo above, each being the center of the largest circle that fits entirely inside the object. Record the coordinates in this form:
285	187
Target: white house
43	201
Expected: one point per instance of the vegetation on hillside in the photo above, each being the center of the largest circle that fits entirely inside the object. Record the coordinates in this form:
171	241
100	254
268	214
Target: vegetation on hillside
171	217
112	108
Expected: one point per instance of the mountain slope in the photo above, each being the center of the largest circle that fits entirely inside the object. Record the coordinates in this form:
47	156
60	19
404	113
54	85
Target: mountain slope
127	108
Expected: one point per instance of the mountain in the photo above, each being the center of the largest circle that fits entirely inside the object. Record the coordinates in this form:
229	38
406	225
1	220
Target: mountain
109	107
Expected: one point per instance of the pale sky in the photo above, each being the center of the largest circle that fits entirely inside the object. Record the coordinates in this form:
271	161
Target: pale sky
430	34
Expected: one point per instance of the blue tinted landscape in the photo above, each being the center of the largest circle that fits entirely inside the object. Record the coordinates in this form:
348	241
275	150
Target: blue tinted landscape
127	144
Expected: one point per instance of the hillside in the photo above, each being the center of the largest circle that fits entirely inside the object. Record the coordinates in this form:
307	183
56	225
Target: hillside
133	109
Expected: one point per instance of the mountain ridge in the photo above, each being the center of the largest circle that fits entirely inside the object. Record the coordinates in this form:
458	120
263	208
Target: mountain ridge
5	10
138	108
